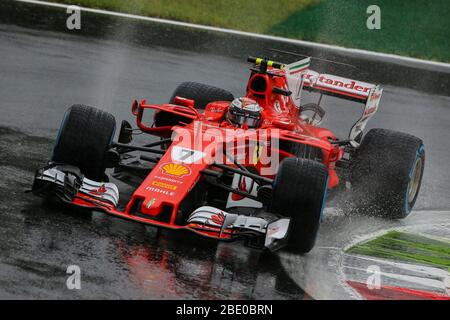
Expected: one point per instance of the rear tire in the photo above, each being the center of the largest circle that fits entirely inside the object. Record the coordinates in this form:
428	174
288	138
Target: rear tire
299	192
386	173
84	137
303	151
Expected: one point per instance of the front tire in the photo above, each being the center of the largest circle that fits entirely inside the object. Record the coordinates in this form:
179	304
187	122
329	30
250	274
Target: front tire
299	192
84	137
387	172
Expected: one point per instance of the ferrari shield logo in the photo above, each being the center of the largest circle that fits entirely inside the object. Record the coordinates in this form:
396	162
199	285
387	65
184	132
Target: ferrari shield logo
257	154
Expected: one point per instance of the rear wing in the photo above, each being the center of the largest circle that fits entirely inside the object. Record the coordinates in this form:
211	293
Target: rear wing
300	77
338	86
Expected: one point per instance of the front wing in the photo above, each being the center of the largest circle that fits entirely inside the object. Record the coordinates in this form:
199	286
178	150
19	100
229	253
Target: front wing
70	186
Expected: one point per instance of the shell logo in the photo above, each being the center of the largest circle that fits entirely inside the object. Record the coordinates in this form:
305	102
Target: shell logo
177	170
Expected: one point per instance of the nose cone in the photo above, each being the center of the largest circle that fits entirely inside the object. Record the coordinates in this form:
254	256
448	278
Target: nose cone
171	180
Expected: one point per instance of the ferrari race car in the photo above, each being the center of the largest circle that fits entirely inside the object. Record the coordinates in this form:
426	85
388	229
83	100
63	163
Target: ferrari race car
256	168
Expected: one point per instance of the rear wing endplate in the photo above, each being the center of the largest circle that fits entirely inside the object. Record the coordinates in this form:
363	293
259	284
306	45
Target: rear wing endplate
371	107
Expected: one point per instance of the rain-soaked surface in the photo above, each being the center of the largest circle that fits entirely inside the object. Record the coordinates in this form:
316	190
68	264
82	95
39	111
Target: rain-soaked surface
44	72
118	259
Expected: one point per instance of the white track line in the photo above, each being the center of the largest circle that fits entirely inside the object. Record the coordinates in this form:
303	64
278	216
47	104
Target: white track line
360	52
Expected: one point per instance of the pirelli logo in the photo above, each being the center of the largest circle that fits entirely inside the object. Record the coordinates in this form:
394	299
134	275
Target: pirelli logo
164	185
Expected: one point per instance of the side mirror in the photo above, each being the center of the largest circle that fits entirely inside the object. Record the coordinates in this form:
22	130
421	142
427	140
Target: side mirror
135	107
283	92
184	102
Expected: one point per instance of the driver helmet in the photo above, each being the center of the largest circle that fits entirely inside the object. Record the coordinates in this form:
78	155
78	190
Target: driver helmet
245	110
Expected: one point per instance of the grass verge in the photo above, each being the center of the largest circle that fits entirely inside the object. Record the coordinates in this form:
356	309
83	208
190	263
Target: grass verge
406	247
416	28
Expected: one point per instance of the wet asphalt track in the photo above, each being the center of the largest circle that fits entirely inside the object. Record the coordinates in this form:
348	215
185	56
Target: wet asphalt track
42	73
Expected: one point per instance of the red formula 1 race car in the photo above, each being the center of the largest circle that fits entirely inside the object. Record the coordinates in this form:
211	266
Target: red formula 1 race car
255	168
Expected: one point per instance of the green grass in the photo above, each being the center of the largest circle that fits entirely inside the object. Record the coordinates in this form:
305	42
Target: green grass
417	28
249	15
407	247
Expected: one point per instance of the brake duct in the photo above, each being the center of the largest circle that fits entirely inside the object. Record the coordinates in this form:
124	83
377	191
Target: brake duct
273	229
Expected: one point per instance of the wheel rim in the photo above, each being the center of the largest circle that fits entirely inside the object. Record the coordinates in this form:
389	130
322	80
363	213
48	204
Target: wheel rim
414	183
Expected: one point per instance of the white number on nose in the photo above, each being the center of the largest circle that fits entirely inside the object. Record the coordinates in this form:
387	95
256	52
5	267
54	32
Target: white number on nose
186	155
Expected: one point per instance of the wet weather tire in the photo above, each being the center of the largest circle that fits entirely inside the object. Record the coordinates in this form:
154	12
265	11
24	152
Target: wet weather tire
84	137
299	192
387	172
202	94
